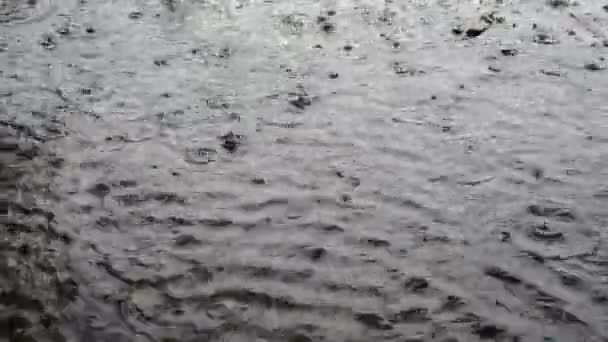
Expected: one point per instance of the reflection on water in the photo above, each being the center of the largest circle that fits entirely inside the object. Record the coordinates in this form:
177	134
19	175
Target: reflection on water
303	171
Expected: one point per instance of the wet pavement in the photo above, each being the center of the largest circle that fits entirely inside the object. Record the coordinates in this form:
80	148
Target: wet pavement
303	170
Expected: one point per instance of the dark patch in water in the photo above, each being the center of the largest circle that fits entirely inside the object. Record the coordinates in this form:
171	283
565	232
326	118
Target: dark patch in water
500	274
373	321
231	141
413	315
416	284
556	212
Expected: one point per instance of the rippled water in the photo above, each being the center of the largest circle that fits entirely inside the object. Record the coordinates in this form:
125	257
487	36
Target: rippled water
303	170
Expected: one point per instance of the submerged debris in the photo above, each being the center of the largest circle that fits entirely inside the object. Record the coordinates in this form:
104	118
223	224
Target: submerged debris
563	214
451	303
315	253
458	29
494	68
544	39
375	242
373	321
185	239
498	273
299	338
135	15
594	66
328	27
488	331
509	52
543	232
258	180
300	98
473	32
401	69
559	314
224	52
477	28
412	315
416	284
201	155
550	72
48	42
65	29
230	141
100	190
558	3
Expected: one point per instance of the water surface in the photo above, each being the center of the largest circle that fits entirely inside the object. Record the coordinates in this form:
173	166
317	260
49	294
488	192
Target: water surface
303	170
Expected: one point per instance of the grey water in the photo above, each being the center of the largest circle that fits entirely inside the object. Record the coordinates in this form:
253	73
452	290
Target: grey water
309	170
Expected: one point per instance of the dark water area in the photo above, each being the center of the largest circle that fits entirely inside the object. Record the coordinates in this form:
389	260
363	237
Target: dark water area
310	170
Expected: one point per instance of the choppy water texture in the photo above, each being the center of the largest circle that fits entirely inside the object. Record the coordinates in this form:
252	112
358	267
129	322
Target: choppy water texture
303	170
